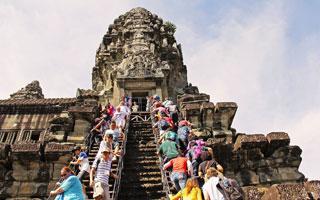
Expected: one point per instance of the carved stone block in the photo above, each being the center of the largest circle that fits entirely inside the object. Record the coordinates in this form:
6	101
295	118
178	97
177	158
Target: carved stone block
247	177
58	152
251	142
268	175
277	140
253	193
192	98
313	187
223	115
207	111
286	192
191	112
33	189
26	151
290	174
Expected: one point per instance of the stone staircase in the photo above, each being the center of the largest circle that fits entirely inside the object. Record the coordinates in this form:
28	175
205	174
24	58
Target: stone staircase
141	177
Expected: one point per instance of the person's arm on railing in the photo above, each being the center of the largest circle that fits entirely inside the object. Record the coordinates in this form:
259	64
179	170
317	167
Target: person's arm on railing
168	164
123	135
177	196
93	169
190	168
57	191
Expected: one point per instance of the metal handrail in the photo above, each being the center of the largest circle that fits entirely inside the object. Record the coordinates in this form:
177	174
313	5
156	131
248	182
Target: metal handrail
164	178
116	187
89	141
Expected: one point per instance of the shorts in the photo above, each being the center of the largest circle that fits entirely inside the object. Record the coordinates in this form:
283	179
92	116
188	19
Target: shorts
101	189
83	175
120	122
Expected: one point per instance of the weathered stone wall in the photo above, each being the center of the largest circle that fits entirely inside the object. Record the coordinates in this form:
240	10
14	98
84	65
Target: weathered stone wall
252	159
208	120
293	191
31	170
257	160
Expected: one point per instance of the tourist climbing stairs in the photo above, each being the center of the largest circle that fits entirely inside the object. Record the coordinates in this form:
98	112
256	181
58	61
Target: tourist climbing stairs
141	177
116	167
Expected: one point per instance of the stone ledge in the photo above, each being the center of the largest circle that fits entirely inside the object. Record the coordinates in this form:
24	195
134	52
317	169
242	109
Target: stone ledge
26	148
81	109
26	151
313	187
286	192
254	193
277	140
191	106
251	142
60	153
227	105
58	148
207	105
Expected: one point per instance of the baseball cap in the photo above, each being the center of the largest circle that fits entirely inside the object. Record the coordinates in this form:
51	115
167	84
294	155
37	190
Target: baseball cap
76	148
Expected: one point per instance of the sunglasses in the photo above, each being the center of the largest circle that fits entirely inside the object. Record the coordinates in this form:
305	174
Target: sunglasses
62	175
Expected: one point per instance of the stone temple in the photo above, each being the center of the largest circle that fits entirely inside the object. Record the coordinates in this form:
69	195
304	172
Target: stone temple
139	56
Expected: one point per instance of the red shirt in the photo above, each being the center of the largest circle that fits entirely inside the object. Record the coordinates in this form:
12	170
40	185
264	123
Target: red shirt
179	164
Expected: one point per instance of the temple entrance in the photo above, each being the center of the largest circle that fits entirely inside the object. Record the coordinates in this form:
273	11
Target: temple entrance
140	98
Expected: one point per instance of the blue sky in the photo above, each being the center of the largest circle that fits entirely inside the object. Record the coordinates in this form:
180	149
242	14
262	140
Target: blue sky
264	55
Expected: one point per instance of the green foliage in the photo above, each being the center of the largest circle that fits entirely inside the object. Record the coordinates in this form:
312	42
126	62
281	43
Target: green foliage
171	26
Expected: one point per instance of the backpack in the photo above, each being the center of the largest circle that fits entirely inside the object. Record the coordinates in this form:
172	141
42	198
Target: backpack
230	189
174	116
183	132
164	125
197	151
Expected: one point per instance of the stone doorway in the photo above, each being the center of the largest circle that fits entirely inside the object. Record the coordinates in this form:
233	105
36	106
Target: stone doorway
140	98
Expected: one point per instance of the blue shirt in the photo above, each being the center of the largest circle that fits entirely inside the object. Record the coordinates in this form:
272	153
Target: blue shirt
72	188
115	134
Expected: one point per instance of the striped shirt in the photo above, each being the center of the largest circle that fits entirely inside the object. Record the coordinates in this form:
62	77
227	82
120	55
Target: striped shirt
104	169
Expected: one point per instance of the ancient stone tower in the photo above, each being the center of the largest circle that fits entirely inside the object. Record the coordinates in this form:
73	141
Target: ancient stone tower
140	56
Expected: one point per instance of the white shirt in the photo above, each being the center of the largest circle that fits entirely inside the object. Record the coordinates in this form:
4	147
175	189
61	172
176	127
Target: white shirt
103	145
211	188
115	134
125	109
84	164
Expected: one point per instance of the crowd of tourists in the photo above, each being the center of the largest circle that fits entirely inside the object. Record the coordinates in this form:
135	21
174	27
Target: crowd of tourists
107	131
194	172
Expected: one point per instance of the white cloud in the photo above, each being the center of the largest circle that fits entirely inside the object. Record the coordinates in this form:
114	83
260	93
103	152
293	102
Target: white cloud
248	59
53	42
305	133
232	64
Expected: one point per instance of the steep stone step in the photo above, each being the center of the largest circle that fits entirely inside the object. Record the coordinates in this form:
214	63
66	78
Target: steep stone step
141	165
